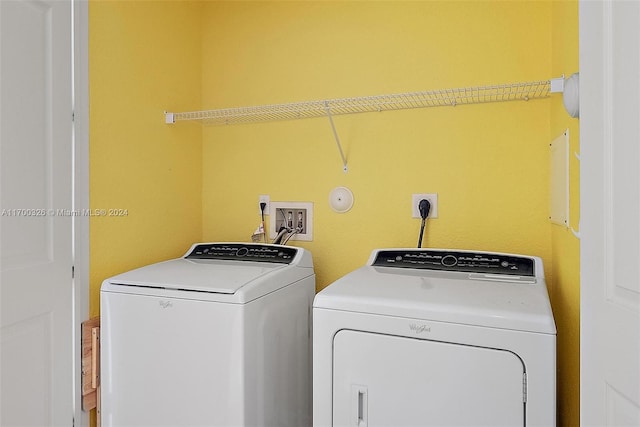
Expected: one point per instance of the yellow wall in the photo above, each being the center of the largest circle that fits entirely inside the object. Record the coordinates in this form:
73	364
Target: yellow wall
144	58
565	246
184	183
488	163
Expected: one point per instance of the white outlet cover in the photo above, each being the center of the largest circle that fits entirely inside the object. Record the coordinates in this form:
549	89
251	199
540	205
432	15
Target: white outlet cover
431	197
341	199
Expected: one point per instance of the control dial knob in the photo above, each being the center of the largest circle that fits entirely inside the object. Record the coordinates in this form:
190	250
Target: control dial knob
242	251
449	260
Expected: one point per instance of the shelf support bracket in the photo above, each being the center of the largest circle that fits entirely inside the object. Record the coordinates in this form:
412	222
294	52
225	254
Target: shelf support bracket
335	135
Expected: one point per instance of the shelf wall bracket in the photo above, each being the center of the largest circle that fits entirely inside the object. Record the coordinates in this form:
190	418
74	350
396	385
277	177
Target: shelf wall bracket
557	85
335	135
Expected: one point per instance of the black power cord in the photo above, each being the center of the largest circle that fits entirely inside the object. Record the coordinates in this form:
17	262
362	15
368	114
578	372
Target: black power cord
424	207
263	205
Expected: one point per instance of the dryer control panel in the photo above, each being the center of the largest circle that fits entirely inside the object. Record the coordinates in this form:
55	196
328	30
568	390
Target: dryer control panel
243	252
470	262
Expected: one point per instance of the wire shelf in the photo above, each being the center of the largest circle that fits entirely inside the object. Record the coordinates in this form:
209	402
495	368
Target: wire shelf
434	98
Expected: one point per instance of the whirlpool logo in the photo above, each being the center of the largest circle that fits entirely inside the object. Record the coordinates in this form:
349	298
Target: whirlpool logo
165	304
418	329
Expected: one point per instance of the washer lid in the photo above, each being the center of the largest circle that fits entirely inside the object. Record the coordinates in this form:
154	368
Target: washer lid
506	302
214	276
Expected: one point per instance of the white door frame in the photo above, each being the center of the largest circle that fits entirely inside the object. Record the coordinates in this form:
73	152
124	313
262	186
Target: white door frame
80	194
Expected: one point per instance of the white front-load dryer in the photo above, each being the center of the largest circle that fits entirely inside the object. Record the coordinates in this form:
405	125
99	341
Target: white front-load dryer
426	337
219	337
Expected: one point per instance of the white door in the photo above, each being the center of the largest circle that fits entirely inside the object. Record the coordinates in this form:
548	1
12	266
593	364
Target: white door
388	381
610	212
36	329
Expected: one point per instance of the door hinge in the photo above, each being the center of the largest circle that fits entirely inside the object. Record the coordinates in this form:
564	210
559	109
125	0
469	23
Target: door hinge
73	116
73	271
524	387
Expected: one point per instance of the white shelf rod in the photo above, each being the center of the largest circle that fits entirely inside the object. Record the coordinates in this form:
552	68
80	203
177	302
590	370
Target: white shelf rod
434	98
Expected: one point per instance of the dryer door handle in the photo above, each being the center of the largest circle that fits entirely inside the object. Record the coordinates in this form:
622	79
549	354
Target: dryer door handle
360	405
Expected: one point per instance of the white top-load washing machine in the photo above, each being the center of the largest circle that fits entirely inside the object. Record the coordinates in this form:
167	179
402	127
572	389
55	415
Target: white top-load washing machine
219	337
426	337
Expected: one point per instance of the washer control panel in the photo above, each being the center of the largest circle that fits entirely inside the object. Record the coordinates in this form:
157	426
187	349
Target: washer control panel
470	262
243	252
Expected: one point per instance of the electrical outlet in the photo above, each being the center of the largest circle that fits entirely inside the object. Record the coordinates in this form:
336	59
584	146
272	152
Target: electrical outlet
296	216
431	197
263	198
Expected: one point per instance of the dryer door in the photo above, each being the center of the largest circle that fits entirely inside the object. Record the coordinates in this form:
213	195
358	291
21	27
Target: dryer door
382	380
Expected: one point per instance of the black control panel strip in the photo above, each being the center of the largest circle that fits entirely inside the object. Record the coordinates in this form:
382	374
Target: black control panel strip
470	262
243	252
